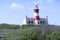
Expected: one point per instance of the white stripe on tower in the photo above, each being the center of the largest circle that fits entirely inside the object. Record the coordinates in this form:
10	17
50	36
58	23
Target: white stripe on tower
36	14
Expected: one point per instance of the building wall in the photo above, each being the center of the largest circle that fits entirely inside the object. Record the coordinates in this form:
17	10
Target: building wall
31	21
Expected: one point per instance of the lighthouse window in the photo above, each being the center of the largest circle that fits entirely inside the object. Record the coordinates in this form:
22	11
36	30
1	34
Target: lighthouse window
38	22
41	22
31	21
28	21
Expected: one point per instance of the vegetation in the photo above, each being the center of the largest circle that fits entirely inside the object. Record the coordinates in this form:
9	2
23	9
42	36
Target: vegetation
25	34
9	26
32	32
55	36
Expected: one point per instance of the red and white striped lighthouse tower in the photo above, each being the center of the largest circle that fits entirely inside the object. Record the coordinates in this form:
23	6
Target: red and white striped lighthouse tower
36	14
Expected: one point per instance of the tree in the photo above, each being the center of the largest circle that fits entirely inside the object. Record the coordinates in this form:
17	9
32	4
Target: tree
55	36
24	34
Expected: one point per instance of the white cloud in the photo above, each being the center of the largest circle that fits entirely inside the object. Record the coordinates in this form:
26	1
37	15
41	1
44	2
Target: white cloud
16	6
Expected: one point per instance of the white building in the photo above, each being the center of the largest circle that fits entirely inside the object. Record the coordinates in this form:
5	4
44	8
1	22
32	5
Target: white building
36	20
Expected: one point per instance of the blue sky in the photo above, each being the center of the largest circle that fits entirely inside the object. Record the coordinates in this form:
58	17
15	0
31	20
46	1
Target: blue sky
14	11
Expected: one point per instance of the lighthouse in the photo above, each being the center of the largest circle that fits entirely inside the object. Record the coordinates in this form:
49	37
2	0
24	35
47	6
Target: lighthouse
36	20
36	14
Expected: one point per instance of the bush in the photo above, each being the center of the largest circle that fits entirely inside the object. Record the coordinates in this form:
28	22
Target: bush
25	34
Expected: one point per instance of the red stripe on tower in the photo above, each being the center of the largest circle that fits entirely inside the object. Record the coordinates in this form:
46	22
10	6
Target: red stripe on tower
36	12
37	18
